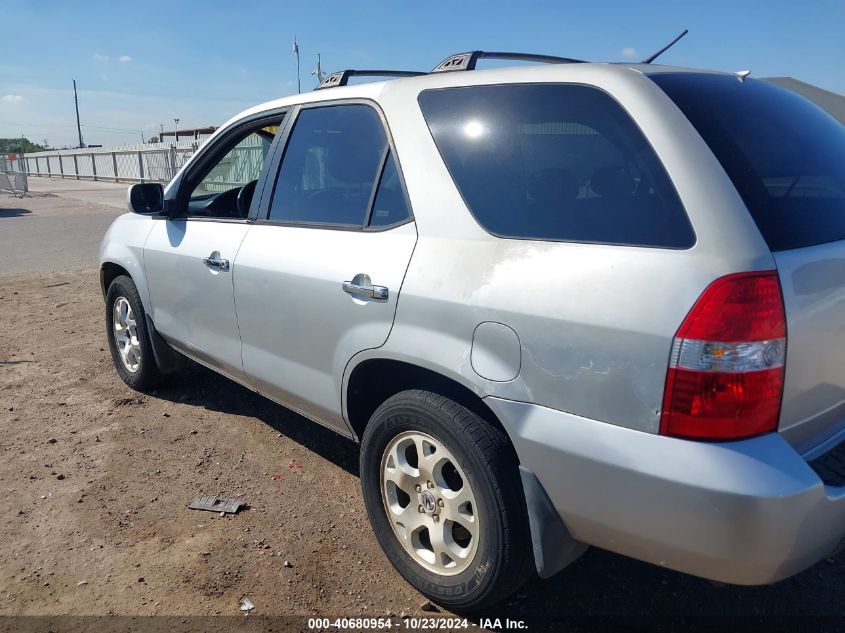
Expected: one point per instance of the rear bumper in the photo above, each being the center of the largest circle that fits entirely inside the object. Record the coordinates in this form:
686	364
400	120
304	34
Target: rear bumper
748	512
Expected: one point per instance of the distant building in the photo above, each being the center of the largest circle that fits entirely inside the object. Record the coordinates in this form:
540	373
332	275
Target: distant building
832	102
193	133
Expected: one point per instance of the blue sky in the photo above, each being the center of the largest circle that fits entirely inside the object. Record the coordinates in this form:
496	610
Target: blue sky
143	63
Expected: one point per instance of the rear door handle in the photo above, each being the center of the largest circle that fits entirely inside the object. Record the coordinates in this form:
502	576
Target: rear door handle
215	261
362	287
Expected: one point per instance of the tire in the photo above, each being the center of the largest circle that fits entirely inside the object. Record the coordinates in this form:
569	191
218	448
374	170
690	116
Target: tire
460	573
137	369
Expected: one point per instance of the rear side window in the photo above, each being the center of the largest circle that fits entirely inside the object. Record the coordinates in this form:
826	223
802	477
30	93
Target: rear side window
555	162
785	155
330	166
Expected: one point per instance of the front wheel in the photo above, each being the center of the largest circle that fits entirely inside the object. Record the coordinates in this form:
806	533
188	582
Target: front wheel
129	339
443	493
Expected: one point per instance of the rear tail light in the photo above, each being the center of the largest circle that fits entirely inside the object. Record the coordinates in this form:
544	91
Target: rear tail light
726	369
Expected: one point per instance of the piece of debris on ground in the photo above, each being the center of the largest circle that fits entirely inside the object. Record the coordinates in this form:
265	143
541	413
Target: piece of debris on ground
246	605
227	505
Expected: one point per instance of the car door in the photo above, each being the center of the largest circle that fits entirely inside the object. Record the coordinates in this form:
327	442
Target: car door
318	276
189	257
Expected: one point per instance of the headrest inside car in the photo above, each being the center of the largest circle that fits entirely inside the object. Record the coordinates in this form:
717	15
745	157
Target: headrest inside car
612	181
552	185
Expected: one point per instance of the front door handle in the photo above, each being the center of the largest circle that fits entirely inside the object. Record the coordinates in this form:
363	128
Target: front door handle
215	261
362	287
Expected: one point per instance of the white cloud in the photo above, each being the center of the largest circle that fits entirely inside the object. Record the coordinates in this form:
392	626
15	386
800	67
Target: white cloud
629	52
11	98
100	58
124	58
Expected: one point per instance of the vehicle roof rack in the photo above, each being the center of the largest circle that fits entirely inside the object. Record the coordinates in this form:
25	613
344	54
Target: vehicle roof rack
467	61
341	77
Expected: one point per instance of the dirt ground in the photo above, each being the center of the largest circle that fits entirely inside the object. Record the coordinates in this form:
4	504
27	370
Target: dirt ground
95	479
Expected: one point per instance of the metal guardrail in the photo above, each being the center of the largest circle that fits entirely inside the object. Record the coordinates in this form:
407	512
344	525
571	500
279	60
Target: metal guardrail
157	164
142	163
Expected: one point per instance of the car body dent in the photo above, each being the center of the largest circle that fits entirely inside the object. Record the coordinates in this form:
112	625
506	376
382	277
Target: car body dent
596	338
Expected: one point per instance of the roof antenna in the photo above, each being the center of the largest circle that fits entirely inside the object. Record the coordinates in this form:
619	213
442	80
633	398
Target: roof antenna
319	72
648	60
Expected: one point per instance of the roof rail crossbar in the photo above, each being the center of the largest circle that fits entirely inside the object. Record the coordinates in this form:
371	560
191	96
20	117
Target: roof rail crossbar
467	61
341	77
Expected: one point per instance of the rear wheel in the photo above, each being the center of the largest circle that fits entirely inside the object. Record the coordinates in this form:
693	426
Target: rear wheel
129	340
443	493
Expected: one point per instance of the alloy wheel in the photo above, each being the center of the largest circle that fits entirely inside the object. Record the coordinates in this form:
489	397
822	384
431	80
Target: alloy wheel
126	335
429	503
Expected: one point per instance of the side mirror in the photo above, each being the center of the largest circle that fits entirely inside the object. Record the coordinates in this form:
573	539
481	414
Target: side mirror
146	198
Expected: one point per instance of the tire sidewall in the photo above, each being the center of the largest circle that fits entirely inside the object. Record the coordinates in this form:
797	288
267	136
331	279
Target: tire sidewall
473	583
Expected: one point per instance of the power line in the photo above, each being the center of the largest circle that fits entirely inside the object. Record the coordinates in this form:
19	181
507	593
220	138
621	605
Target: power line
93	127
113	129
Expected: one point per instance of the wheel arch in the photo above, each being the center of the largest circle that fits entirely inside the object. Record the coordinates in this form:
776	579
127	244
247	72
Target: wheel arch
126	264
109	271
373	380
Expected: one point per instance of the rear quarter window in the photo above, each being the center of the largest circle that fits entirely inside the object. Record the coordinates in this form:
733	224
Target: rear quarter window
784	154
555	162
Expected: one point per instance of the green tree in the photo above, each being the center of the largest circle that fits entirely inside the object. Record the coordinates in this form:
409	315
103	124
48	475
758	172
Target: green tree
15	145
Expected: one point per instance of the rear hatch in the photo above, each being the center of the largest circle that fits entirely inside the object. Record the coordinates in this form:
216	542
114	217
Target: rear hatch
786	157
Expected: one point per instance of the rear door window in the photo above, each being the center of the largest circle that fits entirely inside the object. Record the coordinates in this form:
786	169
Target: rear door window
330	166
784	154
555	162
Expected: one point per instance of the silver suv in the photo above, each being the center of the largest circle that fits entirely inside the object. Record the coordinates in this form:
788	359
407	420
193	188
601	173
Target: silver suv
559	305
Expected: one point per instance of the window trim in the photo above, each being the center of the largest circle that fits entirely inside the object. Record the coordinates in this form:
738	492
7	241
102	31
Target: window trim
210	152
550	239
382	162
368	227
274	168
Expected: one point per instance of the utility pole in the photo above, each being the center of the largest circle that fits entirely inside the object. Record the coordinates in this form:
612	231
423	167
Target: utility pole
296	52
176	132
78	126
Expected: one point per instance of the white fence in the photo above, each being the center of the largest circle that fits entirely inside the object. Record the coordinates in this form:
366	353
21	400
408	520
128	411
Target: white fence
139	163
